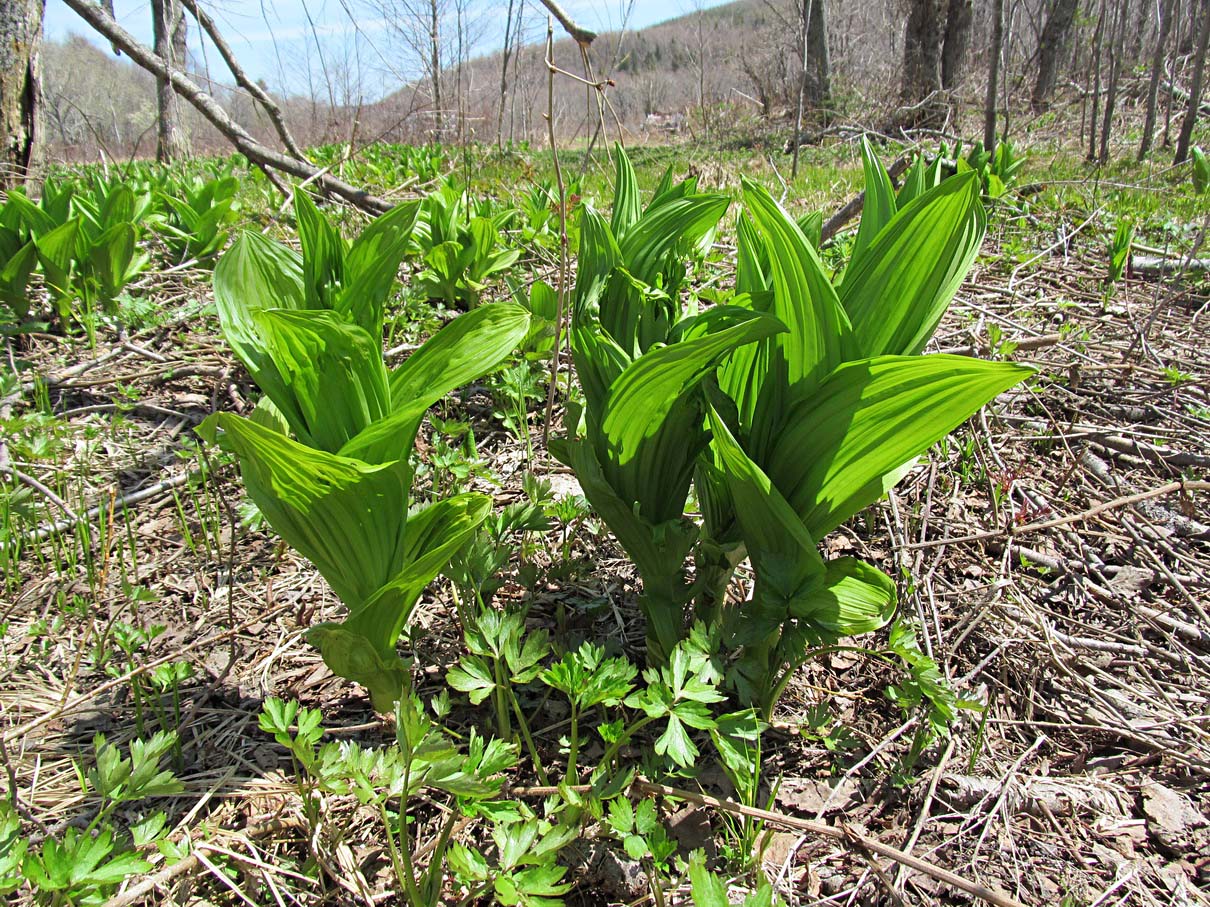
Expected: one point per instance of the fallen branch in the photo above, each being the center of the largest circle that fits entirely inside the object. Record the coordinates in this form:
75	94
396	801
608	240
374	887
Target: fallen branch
260	155
854	205
838	833
1013	531
1154	266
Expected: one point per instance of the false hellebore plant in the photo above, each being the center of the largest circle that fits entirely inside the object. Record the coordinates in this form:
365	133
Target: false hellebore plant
325	453
792	408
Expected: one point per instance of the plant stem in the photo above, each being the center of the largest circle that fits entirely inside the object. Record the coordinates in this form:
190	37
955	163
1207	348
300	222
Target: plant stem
523	727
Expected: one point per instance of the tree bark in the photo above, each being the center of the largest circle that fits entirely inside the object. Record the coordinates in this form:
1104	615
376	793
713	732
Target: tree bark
1115	64
1157	65
993	77
1051	45
817	39
168	30
435	62
922	60
1195	90
20	90
958	20
508	25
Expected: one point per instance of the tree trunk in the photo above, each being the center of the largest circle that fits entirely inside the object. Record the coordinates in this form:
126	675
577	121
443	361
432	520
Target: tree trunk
922	60
802	83
993	78
20	89
508	25
1050	50
957	39
1097	42
1115	64
435	61
1157	64
1195	90
168	31
817	41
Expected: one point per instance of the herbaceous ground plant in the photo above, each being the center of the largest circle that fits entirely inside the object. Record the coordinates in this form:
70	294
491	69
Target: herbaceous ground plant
458	663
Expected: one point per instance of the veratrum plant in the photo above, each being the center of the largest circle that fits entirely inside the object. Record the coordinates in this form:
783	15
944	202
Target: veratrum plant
325	455
812	425
641	361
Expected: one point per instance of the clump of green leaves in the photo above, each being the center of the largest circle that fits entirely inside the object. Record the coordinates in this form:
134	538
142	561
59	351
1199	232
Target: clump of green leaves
86	865
790	409
325	456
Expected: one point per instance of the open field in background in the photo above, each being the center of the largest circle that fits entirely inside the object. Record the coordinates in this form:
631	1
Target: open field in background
1051	557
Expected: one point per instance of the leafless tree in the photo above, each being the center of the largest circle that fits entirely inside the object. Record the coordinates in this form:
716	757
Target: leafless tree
959	17
1157	64
1195	90
1051	45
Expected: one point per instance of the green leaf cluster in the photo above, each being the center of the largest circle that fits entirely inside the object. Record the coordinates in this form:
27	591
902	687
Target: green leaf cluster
325	456
790	409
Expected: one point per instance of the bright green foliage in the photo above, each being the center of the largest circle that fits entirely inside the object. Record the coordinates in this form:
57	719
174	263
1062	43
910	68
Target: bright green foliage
1200	171
1119	250
819	402
423	760
641	362
86	865
822	420
309	330
458	271
711	891
196	222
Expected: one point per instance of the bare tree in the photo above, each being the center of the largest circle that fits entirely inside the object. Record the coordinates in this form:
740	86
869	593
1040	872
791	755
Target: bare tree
922	40
993	76
1195	90
168	30
20	89
1157	63
509	36
958	20
1051	46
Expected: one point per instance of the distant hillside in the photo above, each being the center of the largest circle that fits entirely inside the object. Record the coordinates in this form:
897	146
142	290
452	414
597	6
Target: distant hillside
739	61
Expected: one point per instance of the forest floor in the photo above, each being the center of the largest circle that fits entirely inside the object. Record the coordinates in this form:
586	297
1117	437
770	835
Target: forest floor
1053	557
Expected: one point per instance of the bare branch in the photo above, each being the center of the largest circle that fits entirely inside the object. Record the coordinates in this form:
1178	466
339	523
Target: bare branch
264	157
582	35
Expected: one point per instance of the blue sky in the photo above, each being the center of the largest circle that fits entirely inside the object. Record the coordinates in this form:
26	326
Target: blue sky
273	38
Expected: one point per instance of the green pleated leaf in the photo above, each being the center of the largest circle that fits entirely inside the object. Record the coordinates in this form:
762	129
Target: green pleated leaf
323	254
345	516
256	273
657	549
866	420
752	259
597	257
372	265
14	279
111	256
854	598
896	293
324	374
433	535
803	297
57	253
879	205
662	229
626	203
468	347
651	430
773	533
